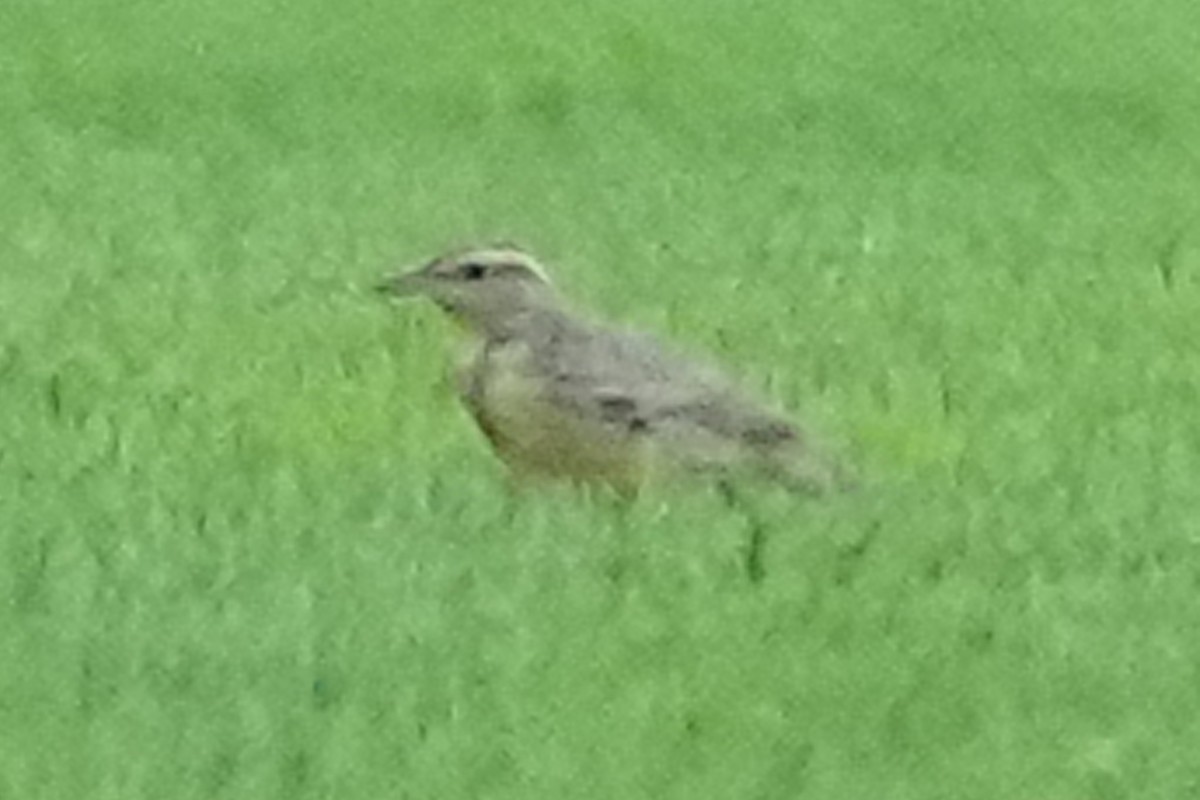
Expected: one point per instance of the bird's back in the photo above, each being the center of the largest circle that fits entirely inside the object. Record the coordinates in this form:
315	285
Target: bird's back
564	397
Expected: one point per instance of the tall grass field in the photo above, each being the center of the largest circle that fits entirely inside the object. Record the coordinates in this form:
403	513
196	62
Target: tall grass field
252	547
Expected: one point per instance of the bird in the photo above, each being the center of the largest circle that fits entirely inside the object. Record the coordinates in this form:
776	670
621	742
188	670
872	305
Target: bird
563	397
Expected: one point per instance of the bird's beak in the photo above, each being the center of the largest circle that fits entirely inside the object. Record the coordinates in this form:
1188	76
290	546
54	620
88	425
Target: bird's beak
401	284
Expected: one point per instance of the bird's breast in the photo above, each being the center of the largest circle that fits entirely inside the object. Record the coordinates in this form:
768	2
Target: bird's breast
533	430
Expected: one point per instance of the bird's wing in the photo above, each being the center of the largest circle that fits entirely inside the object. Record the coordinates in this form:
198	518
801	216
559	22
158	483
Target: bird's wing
632	383
687	412
720	435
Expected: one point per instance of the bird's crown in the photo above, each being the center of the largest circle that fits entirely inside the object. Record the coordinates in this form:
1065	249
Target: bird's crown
502	261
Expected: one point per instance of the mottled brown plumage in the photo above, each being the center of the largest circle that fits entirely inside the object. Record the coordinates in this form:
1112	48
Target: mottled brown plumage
560	396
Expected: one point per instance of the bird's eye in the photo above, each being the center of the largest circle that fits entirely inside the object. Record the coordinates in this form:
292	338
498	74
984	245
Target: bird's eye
473	272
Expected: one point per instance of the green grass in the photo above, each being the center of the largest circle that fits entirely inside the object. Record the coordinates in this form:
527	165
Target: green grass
249	548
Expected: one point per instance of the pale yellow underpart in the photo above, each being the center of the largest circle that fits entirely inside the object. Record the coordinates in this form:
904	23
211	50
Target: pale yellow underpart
536	437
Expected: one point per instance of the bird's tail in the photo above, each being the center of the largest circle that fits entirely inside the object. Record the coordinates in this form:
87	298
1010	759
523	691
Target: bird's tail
807	473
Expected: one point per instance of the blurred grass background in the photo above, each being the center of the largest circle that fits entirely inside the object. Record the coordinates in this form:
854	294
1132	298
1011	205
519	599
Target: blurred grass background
250	548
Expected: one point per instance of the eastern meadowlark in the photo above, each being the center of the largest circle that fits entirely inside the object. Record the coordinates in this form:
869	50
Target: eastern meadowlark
561	396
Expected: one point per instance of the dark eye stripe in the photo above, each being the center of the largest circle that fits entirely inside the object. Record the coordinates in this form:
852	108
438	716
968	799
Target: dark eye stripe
517	270
473	272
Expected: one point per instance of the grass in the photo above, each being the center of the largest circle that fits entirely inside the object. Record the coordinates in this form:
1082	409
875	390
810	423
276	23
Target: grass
250	548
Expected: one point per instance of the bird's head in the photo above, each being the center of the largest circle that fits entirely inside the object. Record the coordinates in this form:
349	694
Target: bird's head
483	287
